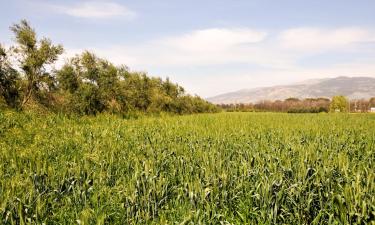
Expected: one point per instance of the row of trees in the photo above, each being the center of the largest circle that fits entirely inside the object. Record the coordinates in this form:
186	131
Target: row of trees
288	105
308	105
86	84
362	105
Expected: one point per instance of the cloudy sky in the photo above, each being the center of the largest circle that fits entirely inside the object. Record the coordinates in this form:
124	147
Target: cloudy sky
211	46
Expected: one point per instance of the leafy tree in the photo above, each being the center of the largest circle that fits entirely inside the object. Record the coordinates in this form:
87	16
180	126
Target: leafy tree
89	81
34	55
88	100
9	80
86	84
68	79
339	103
372	102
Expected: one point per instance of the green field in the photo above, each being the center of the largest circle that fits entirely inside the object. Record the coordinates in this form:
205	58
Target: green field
238	168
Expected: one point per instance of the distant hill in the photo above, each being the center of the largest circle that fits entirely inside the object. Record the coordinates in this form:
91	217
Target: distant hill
351	87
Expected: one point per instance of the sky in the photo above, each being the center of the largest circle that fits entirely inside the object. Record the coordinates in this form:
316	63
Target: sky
210	47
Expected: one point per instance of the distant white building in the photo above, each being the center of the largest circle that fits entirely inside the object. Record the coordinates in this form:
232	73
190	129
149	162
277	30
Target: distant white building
372	109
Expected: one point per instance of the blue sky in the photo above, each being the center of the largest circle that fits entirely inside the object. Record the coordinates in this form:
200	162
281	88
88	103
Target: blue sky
211	47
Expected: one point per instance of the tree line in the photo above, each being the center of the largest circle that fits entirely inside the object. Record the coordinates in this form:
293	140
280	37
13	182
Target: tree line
85	84
308	105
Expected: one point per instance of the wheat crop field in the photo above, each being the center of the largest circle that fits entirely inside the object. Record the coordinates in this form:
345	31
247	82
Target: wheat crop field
224	168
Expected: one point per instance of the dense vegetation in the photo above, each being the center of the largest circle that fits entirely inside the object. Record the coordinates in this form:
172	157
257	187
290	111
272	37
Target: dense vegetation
308	105
241	168
86	84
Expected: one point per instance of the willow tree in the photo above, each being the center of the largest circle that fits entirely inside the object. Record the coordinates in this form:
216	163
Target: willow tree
9	80
34	56
339	104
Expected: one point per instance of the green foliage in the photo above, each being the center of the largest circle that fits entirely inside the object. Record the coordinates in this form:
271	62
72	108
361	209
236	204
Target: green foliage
227	168
308	110
339	104
372	102
86	84
34	56
95	85
290	105
9	81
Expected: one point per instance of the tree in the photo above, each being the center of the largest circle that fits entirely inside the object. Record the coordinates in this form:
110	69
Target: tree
34	56
372	102
85	84
88	83
9	80
68	79
339	103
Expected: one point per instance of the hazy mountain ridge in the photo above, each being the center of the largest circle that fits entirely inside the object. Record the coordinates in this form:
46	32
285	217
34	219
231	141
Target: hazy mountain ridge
351	87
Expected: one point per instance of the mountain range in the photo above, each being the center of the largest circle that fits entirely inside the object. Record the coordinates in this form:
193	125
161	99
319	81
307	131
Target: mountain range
351	87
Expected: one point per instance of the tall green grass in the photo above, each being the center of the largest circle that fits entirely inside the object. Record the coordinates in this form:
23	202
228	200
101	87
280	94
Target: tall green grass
237	168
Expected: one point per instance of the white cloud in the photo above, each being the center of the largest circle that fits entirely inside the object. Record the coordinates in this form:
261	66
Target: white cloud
316	39
214	40
201	47
101	10
274	56
214	46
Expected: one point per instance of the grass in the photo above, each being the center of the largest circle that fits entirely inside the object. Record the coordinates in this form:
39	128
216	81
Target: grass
238	168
